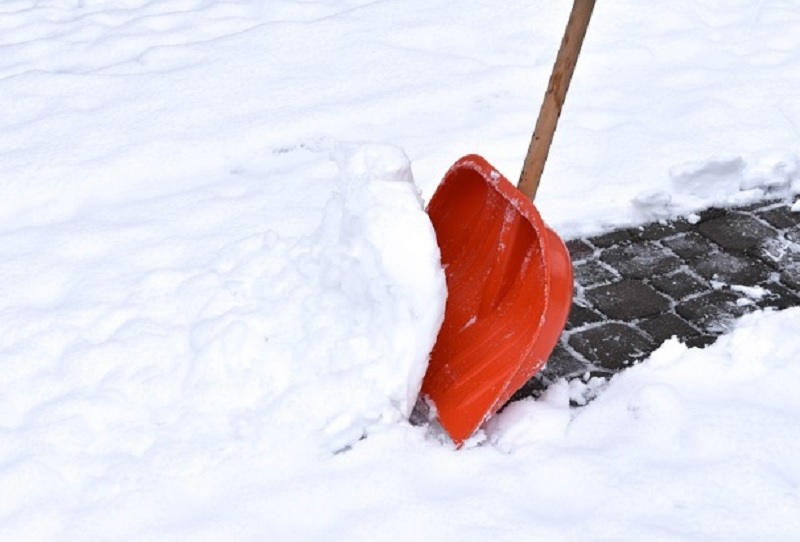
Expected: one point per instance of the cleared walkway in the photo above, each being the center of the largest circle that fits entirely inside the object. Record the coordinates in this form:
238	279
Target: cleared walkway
636	288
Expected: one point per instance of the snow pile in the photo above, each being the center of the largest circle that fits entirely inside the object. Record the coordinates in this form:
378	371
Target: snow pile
684	404
133	355
367	287
683	447
727	182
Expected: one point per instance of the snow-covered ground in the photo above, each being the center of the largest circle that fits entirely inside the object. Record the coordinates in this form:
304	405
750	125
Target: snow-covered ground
217	276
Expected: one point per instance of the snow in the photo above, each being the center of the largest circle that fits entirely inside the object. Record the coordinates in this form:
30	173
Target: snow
219	287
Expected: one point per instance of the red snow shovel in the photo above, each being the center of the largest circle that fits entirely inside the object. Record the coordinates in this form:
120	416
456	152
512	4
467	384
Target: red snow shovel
509	277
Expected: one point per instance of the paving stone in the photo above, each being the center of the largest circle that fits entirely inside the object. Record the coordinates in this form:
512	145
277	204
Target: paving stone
790	275
691	246
667	325
579	316
784	257
778	252
793	234
641	260
759	206
659	230
532	388
563	363
627	300
778	297
592	272
597	372
579	250
614	238
711	214
782	253
736	231
711	310
701	341
732	269
780	217
612	345
679	285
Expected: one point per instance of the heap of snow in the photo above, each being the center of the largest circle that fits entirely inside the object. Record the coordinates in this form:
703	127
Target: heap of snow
163	337
368	287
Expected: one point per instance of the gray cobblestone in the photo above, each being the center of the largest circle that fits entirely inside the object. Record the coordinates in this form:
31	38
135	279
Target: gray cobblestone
579	250
714	308
627	300
641	260
612	345
732	268
667	325
592	272
736	231
679	285
691	246
780	217
580	315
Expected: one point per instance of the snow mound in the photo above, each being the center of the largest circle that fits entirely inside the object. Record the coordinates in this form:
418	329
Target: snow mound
368	286
150	338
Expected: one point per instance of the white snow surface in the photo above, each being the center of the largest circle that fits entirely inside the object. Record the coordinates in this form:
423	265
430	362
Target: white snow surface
219	288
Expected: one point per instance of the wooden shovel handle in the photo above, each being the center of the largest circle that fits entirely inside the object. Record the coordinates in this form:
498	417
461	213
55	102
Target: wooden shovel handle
554	97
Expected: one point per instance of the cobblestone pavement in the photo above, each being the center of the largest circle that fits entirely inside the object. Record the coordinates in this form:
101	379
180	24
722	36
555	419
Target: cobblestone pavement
636	288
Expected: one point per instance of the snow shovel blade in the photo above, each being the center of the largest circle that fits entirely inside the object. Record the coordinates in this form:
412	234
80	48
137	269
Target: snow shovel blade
509	283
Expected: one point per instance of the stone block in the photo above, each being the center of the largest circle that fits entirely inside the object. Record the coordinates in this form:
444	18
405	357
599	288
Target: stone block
790	275
736	231
778	297
579	316
679	285
701	341
641	260
732	269
711	213
691	246
780	217
579	250
793	234
612	345
592	272
562	363
627	300
610	239
660	230
713	311
667	325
